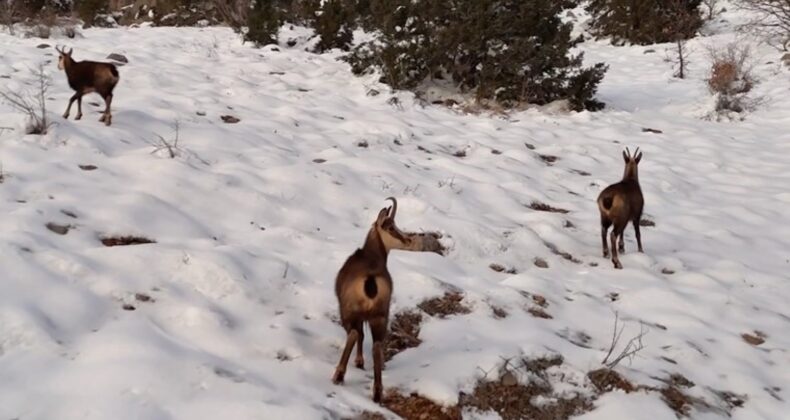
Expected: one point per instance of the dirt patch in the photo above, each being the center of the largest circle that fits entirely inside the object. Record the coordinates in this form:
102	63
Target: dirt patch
416	407
58	228
88	167
69	213
498	312
647	223
754	339
676	400
319	160
125	240
539	313
460	153
556	251
499	268
651	130
538	206
404	333
142	297
606	380
229	119
430	242
540	365
512	400
363	144
449	304
549	159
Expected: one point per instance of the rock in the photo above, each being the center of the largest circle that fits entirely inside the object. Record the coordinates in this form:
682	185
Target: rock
59	229
42	46
118	57
230	119
649	51
541	263
786	59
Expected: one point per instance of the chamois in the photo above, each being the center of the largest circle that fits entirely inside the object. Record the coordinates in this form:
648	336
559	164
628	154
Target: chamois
364	289
86	77
620	203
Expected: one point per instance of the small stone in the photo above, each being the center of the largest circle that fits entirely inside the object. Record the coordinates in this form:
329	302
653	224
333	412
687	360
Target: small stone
42	46
59	229
118	57
541	263
229	119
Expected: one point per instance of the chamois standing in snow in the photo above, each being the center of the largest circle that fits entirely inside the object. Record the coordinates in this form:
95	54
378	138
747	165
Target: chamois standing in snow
620	203
86	77
364	289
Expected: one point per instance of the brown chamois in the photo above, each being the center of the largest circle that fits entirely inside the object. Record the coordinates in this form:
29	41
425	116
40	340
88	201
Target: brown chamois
86	77
620	203
364	288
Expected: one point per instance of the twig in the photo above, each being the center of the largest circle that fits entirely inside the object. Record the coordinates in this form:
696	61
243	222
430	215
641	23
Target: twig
630	350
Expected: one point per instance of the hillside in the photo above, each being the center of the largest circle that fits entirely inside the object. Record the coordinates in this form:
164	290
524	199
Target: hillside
231	312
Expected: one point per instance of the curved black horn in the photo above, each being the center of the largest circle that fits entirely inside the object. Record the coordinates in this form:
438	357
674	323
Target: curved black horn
394	206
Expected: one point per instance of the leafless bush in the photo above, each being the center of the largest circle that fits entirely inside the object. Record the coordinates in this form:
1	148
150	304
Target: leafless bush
32	103
631	348
169	146
9	13
730	76
772	20
711	8
233	12
679	55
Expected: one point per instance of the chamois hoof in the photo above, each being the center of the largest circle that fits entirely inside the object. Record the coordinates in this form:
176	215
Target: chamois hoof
78	117
606	254
377	395
360	364
621	249
66	116
338	377
617	265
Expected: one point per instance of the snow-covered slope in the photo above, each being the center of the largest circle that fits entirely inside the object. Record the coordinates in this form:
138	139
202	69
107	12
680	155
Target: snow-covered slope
252	221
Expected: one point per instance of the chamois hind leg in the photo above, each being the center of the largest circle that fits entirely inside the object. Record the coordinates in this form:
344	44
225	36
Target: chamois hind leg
638	235
605	223
617	231
340	371
621	247
106	118
359	361
71	101
378	329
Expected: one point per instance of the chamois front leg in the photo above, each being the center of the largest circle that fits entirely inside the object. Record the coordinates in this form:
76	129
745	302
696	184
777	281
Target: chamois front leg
79	108
71	101
340	372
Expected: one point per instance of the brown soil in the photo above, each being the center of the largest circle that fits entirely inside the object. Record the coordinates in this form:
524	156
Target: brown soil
606	380
754	339
449	304
416	407
537	205
404	333
125	240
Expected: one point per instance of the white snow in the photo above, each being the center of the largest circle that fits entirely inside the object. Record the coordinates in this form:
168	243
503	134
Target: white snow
250	232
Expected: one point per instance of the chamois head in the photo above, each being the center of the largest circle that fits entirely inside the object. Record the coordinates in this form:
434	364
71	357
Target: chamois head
63	57
631	163
387	230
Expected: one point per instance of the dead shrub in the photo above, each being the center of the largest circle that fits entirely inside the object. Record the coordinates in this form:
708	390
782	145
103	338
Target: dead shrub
730	77
404	333
32	103
449	304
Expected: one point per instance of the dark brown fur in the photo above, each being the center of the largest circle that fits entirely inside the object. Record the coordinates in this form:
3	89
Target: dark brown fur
620	203
364	290
86	77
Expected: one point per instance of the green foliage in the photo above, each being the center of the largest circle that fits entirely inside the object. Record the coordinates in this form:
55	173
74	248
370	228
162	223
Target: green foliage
508	51
88	9
334	25
263	23
645	21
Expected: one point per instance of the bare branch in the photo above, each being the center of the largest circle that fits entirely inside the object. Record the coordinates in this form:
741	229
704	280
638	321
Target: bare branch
32	104
631	348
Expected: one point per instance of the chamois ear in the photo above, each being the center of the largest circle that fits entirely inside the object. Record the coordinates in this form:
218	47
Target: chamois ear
383	215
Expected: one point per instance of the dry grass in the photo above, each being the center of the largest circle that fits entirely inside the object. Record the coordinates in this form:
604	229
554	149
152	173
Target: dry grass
538	206
606	380
404	333
416	407
125	240
449	304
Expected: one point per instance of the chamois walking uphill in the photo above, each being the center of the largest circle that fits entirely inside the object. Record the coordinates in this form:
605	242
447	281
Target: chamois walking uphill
364	289
620	203
86	77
